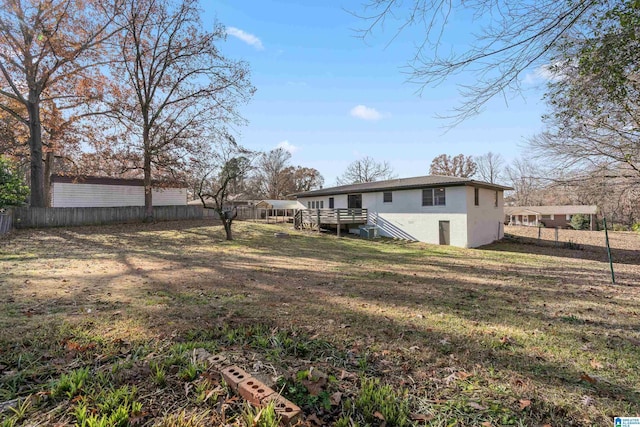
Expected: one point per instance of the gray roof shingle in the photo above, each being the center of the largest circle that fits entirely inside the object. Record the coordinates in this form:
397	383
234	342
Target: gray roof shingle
401	184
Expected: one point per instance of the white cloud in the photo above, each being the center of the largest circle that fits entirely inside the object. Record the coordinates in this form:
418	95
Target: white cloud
248	38
366	113
287	146
543	74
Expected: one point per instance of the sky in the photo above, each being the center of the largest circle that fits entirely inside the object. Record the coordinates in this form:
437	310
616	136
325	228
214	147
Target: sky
330	97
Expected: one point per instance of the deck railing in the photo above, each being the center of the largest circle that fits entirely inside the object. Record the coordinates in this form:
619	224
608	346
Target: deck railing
314	217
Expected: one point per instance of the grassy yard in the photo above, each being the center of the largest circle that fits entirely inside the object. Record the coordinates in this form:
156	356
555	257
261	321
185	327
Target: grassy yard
104	326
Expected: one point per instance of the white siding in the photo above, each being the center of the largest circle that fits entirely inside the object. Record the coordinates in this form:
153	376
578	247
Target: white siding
485	221
69	195
406	218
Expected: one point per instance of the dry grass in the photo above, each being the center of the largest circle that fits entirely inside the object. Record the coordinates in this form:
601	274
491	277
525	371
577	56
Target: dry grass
510	334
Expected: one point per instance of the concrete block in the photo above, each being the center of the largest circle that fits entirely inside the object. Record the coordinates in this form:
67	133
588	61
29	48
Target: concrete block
233	376
254	391
288	411
218	361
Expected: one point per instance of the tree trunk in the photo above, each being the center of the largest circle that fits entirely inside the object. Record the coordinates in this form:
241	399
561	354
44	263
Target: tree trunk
227	228
148	195
48	171
35	144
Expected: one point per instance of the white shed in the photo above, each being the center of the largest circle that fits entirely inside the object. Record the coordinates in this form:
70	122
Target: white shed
92	191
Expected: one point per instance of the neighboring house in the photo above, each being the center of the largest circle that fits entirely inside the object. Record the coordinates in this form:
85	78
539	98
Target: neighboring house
433	209
92	191
549	216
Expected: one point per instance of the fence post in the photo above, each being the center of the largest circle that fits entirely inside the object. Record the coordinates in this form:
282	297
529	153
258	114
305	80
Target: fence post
606	236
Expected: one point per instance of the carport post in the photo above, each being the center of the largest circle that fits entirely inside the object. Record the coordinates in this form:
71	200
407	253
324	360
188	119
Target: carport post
338	222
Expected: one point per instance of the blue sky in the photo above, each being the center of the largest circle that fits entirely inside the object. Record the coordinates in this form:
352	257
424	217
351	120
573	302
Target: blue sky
331	97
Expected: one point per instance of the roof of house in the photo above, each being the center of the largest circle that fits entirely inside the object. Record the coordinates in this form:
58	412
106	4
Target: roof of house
402	184
280	204
106	180
552	210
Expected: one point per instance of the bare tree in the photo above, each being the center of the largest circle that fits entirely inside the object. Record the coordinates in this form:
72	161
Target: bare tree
515	36
594	111
48	52
303	179
523	175
178	88
366	170
270	178
490	167
461	166
226	165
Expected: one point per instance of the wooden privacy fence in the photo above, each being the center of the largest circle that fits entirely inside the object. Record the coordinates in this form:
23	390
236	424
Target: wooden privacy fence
68	217
5	222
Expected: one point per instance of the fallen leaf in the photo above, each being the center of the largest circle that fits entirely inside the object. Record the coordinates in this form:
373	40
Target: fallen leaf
524	403
588	378
477	406
587	401
335	398
379	416
315	420
486	424
463	375
421	417
595	364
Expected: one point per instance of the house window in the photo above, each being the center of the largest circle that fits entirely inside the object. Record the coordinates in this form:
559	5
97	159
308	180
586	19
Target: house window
547	217
309	205
439	198
313	204
476	196
495	199
331	203
427	197
387	197
434	197
321	204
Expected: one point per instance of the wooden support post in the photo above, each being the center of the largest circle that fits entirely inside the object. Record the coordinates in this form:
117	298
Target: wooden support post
318	215
556	236
338	221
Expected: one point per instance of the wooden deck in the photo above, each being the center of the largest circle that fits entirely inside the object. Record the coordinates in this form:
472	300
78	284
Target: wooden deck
316	218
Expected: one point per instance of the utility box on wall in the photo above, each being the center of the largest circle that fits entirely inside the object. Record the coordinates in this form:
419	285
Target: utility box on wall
368	231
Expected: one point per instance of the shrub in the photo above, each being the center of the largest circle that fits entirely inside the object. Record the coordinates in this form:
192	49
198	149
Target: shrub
13	191
636	227
580	222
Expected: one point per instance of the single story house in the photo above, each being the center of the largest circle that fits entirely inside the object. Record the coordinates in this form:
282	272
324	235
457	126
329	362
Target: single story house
548	216
94	191
432	209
